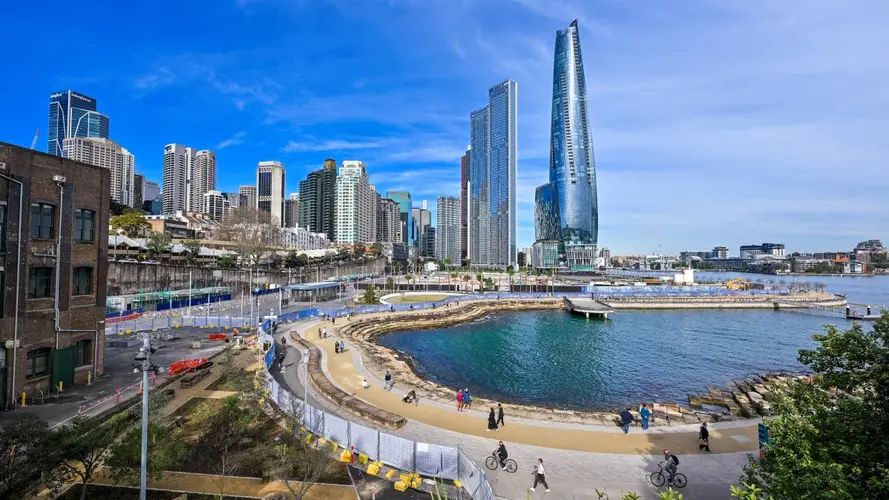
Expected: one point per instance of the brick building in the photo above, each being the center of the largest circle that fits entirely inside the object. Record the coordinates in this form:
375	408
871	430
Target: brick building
53	302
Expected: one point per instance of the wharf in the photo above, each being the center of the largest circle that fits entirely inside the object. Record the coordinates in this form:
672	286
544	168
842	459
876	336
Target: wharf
588	307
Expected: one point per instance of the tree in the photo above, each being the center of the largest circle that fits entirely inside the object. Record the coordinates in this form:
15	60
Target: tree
827	439
192	251
376	249
116	208
83	446
223	432
370	296
390	283
294	462
292	259
132	224
226	260
29	450
252	231
158	244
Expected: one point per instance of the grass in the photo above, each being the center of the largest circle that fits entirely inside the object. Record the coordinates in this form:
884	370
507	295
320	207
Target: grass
409	299
103	492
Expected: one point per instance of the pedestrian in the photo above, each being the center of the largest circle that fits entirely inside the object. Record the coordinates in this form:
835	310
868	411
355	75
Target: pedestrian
645	413
540	475
492	421
388	379
626	418
500	415
467	400
459	400
704	438
365	384
320	332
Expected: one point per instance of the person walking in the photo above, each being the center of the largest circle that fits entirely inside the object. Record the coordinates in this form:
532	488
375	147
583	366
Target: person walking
500	421
492	421
459	400
645	413
467	400
388	379
626	418
704	438
539	476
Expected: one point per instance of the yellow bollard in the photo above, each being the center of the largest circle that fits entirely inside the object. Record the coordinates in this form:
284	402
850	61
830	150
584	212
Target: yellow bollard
60	386
89	378
23	400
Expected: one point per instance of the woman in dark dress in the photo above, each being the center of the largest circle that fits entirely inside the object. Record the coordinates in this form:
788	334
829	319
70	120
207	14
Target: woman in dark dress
492	421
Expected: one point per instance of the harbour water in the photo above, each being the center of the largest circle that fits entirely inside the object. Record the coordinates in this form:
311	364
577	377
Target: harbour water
551	358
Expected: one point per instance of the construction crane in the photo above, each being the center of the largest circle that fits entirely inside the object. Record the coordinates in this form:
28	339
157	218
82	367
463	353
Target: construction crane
34	140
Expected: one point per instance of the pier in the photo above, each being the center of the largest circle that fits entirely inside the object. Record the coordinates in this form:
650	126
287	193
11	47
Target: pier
588	307
855	315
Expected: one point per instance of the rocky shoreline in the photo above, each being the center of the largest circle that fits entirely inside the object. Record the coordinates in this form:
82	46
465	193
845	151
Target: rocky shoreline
748	398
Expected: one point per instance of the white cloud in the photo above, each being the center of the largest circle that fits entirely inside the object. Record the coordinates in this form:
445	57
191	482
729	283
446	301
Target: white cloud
235	140
331	145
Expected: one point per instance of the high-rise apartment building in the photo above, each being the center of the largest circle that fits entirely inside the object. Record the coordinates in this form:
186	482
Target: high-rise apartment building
388	222
405	207
317	200
138	183
249	196
447	234
291	211
73	115
108	154
464	200
422	219
354	204
270	189
567	208
202	179
178	163
493	167
236	200
150	190
215	205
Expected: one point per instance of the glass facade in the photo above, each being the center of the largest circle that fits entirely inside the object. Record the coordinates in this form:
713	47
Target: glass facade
572	167
73	115
502	161
405	208
546	213
479	229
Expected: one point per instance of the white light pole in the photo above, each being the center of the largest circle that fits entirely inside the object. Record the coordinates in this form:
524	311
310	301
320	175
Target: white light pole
143	363
188	310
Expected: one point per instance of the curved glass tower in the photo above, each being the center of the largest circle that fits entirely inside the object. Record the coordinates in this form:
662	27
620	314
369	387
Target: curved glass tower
572	166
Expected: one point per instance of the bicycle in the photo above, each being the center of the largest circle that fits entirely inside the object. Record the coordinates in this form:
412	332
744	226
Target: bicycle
659	478
493	462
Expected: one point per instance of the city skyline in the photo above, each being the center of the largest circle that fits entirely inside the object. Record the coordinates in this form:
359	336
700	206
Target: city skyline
765	97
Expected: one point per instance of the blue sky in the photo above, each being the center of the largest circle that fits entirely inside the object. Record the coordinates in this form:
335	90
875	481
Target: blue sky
715	122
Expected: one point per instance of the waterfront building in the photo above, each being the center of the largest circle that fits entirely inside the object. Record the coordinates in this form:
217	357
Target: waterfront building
72	115
720	252
202	179
317	200
545	254
108	154
464	201
493	167
751	252
388	222
448	228
178	162
405	210
270	189
570	200
291	211
354	204
58	258
248	196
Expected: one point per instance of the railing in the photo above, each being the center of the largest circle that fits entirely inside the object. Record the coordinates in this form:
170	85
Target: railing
147	324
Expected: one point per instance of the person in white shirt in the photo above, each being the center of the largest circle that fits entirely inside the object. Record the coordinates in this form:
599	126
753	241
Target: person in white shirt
365	384
540	475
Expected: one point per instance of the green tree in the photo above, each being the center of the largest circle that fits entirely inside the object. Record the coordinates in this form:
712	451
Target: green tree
28	450
192	251
390	283
83	446
827	439
158	244
116	208
226	260
223	432
132	224
376	249
293	461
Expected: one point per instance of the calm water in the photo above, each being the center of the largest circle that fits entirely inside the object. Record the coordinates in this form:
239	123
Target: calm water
555	359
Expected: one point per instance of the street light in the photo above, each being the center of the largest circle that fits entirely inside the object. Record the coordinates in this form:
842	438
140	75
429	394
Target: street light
143	363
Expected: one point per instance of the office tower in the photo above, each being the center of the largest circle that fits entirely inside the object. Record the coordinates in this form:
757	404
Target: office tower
235	200
502	159
108	154
178	163
464	200
405	206
478	229
202	179
372	214
150	190
388	222
73	115
421	220
270	189
448	228
317	200
291	211
353	204
249	196
138	197
567	209
215	205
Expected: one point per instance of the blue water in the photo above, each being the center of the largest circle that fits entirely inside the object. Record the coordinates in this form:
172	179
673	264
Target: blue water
555	359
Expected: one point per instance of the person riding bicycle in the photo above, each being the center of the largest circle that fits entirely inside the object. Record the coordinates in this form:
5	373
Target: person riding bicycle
670	464
502	454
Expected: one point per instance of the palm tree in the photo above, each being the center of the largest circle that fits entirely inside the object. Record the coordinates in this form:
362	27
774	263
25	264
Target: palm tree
510	271
466	279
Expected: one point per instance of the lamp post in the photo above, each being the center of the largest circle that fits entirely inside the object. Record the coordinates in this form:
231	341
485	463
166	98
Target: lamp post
143	363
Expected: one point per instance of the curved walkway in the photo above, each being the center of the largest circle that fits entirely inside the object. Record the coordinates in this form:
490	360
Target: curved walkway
346	372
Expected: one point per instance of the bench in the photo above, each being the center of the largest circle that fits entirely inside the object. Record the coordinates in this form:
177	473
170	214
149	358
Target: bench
193	378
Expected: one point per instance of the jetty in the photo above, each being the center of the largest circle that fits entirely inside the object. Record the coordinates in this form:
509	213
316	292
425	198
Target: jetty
588	307
855	315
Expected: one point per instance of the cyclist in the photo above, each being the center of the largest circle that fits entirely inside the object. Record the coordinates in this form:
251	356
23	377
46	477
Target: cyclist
670	464
502	454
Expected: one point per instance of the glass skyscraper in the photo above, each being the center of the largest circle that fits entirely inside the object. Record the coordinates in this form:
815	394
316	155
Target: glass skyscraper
493	168
73	115
405	209
569	201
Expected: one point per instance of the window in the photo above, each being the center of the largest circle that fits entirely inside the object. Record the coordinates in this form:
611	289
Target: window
82	353
84	224
38	363
42	216
83	281
40	283
2	228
